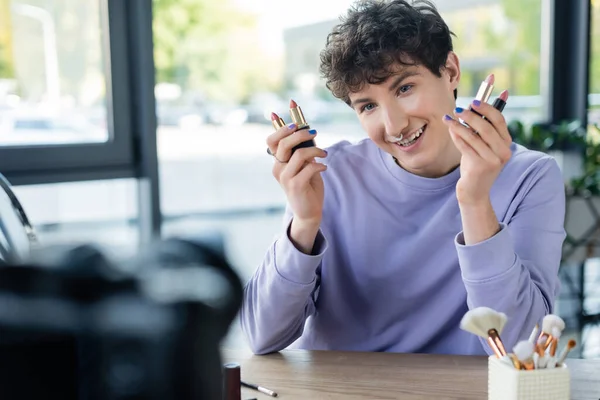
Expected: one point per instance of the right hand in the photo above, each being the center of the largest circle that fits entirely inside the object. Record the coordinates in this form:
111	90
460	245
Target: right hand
299	174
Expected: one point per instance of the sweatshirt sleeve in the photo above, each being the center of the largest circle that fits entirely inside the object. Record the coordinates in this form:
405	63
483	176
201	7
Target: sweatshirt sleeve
516	271
281	294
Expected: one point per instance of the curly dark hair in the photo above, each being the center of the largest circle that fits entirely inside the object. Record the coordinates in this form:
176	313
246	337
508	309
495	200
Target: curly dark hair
375	36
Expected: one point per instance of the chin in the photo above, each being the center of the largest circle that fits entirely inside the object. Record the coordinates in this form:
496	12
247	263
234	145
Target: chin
417	162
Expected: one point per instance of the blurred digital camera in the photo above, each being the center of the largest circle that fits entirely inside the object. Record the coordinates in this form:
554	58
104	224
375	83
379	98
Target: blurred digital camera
76	325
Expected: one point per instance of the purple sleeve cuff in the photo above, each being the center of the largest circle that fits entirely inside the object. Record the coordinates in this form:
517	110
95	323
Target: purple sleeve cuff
295	266
486	260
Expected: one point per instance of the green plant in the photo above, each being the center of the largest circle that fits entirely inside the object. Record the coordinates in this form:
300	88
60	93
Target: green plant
566	136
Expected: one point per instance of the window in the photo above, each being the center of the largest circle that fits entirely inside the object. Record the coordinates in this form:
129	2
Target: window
502	37
101	212
64	98
53	80
222	67
594	84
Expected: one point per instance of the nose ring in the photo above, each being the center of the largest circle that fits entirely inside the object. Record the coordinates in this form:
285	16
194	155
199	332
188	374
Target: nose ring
399	138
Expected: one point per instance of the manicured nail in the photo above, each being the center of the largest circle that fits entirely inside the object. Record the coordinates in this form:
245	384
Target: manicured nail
476	103
448	118
291	126
312	131
458	110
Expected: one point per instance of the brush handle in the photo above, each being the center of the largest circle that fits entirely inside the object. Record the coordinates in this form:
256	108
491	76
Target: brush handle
553	346
494	336
529	365
539	349
495	348
534	333
515	361
548	342
563	354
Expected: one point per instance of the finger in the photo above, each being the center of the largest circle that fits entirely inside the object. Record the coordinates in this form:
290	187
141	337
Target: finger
275	138
495	118
277	170
472	139
299	159
461	145
285	145
303	177
487	132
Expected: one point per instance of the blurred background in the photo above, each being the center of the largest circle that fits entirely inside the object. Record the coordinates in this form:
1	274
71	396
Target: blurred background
122	119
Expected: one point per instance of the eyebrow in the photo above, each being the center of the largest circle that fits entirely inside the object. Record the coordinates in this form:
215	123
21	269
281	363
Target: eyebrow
397	81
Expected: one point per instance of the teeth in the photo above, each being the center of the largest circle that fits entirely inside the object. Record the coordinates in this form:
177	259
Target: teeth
412	137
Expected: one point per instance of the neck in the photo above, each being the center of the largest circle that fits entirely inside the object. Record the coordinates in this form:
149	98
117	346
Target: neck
449	163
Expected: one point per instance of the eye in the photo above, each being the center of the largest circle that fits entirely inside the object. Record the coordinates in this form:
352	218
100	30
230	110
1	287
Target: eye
404	88
367	107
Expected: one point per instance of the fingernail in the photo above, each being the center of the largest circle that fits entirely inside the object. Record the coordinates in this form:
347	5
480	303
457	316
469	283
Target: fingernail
291	126
312	131
447	117
476	103
458	110
325	151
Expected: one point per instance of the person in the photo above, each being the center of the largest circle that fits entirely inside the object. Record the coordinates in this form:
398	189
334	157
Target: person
389	241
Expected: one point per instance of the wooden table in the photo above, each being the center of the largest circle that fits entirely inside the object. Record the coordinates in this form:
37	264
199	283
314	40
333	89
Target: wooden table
299	374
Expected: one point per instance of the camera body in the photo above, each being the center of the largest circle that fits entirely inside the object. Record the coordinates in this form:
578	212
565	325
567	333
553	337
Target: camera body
76	325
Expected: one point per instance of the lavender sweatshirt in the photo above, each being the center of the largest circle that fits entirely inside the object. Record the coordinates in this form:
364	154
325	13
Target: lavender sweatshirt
390	270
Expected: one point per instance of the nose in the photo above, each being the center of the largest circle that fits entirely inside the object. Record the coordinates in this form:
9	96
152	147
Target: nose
395	122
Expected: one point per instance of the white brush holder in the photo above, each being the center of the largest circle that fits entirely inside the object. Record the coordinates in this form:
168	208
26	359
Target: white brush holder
507	383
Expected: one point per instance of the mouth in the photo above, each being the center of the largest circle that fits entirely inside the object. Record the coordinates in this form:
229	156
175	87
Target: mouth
412	139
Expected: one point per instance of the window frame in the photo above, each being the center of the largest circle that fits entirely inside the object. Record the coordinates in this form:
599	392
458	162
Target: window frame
116	158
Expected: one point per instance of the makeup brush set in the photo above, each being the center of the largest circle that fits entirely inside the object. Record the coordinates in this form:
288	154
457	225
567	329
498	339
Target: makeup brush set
534	370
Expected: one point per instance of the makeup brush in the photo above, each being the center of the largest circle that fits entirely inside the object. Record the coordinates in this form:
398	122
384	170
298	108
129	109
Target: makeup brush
539	346
549	322
488	324
563	355
556	334
534	333
524	352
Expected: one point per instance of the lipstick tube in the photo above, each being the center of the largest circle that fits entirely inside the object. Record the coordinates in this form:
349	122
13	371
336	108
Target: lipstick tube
277	121
231	382
483	94
499	104
300	121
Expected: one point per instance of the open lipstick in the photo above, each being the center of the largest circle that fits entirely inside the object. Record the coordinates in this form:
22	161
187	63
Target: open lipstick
500	102
277	121
485	91
300	121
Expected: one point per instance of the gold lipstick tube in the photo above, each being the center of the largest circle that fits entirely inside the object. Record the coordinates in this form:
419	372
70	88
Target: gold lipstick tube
483	95
484	92
298	118
300	121
278	123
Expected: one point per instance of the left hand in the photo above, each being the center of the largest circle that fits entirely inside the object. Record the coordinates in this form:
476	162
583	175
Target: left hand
485	149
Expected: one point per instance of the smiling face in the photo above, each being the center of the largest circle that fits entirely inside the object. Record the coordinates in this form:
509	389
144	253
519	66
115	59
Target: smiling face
412	103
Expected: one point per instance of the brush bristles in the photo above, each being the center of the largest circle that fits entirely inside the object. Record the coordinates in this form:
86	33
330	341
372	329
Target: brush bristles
524	350
550	321
556	332
480	320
